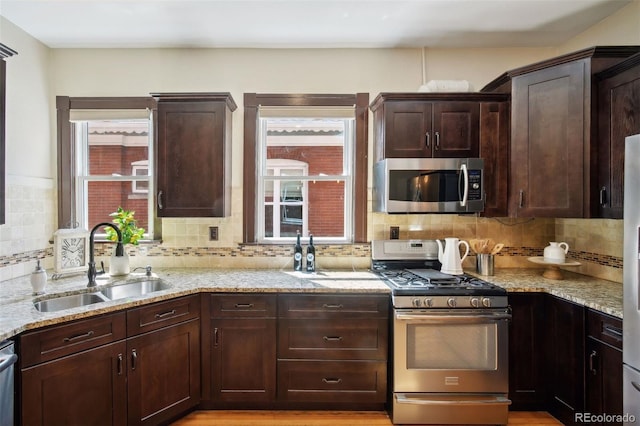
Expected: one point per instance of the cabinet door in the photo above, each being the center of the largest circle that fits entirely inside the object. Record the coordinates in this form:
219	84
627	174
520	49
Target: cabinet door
618	117
564	348
494	149
243	359
194	169
164	373
87	388
456	129
547	146
603	379
408	129
526	349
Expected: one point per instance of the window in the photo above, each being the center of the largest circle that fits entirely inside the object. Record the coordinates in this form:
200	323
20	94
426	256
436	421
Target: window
105	160
306	155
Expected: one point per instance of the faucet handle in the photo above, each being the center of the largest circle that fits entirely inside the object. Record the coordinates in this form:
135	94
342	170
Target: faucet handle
148	269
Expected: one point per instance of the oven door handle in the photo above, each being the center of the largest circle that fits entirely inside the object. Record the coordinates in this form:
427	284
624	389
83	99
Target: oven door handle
457	402
438	318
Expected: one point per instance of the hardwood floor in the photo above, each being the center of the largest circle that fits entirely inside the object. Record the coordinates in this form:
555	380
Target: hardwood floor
328	418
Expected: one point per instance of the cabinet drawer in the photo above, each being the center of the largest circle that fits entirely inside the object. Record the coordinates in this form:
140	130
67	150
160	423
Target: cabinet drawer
333	306
332	381
605	328
162	314
57	341
243	306
333	339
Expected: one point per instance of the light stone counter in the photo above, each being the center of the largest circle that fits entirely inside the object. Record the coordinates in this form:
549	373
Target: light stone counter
602	295
17	313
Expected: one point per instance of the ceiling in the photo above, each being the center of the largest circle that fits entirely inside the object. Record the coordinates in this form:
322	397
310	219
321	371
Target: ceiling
305	23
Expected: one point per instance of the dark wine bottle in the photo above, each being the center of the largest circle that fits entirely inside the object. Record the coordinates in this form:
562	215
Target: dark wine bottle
311	255
297	255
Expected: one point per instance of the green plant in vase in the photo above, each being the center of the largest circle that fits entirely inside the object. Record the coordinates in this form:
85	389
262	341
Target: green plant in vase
131	234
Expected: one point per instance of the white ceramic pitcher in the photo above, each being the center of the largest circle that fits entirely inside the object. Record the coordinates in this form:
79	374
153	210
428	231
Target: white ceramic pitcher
449	255
555	252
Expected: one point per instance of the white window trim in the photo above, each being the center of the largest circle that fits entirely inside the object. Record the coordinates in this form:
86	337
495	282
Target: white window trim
83	178
347	177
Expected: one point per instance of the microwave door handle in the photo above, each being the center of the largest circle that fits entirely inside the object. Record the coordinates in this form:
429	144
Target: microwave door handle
464	174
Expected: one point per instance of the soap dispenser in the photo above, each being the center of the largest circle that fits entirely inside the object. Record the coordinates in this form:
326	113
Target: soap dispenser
38	279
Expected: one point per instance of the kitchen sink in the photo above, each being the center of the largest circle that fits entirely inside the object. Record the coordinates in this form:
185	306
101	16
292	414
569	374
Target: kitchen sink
120	291
68	302
134	289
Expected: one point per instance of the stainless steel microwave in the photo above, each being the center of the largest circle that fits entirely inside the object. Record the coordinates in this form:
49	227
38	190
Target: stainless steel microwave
429	185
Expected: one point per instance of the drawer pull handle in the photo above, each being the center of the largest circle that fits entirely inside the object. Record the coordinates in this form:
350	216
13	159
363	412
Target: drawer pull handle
120	359
613	331
332	381
244	305
79	337
166	314
332	338
134	358
332	306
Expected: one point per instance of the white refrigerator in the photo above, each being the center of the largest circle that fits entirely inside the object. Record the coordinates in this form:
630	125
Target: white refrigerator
631	321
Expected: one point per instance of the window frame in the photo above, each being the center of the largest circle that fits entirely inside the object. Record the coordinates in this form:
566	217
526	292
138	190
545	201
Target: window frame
66	145
360	174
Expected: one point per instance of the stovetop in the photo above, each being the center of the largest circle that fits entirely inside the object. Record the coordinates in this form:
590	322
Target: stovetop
416	281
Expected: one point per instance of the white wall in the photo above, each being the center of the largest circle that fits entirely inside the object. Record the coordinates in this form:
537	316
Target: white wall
30	154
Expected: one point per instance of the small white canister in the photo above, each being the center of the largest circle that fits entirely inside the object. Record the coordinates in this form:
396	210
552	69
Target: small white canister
38	279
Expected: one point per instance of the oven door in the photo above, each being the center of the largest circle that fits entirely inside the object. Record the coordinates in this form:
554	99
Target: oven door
451	351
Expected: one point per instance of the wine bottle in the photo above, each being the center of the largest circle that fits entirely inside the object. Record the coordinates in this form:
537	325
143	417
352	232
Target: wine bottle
297	255
311	255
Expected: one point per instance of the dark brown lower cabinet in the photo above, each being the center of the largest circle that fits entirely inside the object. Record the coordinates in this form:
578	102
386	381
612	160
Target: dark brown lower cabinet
526	349
241	342
87	388
604	366
164	373
87	372
564	349
332	381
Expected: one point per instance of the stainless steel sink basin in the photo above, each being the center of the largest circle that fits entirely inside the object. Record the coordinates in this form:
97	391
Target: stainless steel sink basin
134	289
68	302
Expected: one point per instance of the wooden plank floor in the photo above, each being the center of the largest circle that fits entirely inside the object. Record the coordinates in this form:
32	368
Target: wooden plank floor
328	418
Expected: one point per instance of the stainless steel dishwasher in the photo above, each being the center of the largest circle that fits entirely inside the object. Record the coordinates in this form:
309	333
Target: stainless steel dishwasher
7	360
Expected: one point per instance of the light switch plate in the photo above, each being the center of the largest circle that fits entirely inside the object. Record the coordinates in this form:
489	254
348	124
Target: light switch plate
213	233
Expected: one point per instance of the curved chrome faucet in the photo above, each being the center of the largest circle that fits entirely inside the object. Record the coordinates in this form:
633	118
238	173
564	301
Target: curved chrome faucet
91	273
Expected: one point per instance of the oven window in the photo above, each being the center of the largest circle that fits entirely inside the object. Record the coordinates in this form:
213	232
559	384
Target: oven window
452	346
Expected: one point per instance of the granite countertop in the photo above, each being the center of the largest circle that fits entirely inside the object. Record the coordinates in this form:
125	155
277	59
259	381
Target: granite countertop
17	313
601	295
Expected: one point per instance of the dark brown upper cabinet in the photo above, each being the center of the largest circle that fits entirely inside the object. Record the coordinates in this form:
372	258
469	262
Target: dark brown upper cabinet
618	117
415	125
194	154
554	132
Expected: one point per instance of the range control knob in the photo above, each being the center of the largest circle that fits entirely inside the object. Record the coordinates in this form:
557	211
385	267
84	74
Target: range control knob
475	302
486	302
451	302
416	303
475	185
428	302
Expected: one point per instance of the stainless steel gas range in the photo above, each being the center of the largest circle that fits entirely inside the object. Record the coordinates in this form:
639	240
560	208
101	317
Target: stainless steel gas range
450	339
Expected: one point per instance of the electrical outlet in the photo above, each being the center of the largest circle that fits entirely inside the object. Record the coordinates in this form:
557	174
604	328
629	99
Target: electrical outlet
394	232
213	233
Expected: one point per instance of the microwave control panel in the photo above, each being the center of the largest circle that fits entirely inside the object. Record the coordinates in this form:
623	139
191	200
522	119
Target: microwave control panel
475	185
